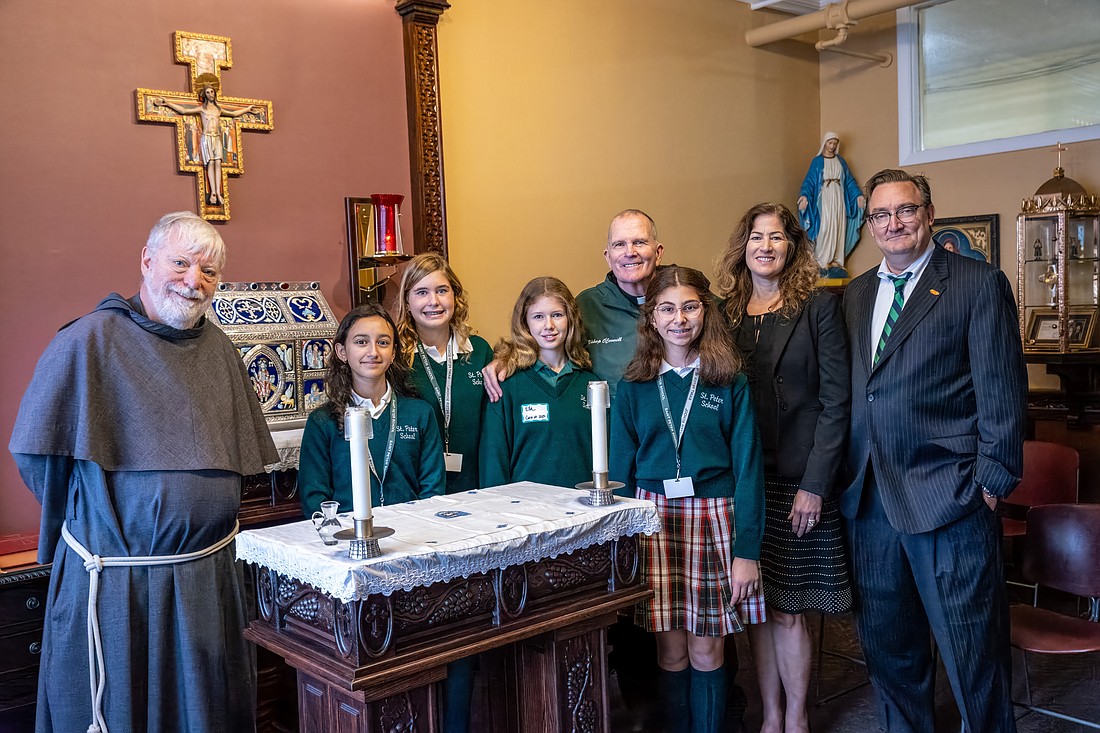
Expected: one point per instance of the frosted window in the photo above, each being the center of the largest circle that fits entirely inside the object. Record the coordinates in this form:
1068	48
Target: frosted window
985	76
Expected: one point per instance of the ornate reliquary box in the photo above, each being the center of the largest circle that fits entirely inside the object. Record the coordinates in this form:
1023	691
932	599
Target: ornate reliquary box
283	331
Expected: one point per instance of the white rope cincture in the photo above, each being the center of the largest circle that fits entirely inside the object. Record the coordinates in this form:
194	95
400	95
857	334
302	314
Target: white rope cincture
94	564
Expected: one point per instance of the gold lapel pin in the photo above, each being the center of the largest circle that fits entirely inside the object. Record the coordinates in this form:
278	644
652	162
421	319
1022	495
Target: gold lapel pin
934	292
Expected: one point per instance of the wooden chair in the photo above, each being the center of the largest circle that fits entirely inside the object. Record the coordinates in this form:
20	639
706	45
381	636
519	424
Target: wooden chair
1050	477
1063	545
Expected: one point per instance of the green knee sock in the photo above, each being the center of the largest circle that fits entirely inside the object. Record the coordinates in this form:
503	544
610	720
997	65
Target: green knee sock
457	691
708	701
674	700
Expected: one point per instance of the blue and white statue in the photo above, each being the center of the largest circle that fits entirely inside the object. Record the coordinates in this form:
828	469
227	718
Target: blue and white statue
830	207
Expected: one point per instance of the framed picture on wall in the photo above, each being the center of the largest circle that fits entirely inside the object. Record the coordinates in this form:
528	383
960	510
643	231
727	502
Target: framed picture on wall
976	237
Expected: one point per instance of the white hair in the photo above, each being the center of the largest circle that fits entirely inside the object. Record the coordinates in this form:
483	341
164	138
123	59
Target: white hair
197	235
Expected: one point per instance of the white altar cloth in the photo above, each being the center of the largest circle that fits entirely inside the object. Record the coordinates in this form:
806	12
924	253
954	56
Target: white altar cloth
446	537
289	445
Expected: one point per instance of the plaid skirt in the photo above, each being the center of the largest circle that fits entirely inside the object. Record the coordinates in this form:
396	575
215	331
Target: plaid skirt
687	565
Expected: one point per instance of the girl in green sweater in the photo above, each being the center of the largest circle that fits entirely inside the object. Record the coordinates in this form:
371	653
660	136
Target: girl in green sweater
540	429
446	360
406	454
683	435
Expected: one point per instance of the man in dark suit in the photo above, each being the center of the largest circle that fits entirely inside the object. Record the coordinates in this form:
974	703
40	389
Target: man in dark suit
939	392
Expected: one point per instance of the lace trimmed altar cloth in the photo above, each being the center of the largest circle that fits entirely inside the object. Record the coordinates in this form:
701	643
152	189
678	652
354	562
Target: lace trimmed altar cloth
446	537
289	445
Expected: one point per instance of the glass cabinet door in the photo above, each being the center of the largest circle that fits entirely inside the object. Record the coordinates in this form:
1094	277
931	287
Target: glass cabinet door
1057	294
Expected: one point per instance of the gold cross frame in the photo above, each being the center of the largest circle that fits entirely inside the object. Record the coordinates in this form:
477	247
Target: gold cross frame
208	125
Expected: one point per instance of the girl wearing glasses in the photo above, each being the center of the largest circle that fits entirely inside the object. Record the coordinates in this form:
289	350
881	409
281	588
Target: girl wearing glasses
683	436
795	346
540	429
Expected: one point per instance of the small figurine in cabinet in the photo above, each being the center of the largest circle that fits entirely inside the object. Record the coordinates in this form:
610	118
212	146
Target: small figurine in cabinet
1050	279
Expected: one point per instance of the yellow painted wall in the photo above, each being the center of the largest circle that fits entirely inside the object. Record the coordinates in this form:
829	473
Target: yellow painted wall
859	101
558	115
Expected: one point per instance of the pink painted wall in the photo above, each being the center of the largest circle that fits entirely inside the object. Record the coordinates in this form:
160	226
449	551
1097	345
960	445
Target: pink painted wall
82	181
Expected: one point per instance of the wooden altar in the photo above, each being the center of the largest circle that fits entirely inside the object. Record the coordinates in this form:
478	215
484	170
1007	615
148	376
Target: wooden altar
373	664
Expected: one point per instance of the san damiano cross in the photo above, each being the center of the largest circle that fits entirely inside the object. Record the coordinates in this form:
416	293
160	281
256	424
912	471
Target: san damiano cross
208	125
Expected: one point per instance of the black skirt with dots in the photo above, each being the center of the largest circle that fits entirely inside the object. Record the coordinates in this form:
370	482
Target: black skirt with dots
807	573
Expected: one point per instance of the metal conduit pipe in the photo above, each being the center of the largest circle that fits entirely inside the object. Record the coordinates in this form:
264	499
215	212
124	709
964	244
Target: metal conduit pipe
828	17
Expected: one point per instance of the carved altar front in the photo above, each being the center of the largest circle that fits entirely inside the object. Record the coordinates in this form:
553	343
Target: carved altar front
371	661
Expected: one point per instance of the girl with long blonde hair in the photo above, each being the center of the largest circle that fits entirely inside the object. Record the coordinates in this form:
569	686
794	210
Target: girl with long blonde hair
540	429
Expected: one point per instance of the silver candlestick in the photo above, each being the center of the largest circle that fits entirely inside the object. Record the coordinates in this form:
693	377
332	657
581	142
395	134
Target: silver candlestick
364	538
600	490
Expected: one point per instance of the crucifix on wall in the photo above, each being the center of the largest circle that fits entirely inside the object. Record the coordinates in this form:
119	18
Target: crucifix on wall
208	125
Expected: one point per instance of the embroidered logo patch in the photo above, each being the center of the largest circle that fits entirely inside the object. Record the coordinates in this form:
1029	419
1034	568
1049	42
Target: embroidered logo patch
539	412
710	401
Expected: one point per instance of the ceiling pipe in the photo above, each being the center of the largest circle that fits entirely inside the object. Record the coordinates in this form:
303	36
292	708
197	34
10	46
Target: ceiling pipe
846	12
833	45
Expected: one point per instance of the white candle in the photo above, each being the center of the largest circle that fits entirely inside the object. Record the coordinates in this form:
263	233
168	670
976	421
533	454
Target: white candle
358	431
598	402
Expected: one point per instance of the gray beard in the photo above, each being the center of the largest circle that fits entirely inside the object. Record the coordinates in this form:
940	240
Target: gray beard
176	313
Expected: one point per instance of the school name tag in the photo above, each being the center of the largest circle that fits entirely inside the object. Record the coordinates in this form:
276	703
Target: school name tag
536	412
679	488
453	461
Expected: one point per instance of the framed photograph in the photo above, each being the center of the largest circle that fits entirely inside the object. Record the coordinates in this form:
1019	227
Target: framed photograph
1042	328
976	237
358	212
1082	321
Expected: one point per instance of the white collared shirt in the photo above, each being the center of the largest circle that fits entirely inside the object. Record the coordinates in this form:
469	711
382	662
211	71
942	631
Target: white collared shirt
884	298
456	348
680	371
373	409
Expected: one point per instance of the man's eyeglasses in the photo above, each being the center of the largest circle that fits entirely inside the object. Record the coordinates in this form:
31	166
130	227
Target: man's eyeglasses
689	309
905	214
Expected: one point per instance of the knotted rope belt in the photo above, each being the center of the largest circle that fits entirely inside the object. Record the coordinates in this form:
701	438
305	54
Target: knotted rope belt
94	564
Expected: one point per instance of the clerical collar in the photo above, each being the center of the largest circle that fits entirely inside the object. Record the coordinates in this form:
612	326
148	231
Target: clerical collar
680	371
373	409
456	348
636	299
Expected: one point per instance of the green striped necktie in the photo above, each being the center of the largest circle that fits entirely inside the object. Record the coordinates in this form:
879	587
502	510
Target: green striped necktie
895	311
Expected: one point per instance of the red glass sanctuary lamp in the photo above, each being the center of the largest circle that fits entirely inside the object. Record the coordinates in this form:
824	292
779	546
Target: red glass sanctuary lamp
387	228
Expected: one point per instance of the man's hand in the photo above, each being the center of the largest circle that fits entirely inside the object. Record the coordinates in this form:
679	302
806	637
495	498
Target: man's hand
990	501
744	579
492	375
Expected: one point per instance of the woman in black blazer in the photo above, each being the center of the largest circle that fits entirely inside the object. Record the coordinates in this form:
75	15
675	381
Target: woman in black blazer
796	350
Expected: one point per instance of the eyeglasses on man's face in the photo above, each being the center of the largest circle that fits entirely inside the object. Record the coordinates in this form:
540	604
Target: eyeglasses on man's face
904	214
689	309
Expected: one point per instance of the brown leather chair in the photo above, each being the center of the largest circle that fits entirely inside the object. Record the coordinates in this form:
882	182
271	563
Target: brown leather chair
1062	552
1050	477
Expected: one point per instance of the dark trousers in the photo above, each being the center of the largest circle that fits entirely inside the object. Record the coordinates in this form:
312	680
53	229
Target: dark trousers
948	581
